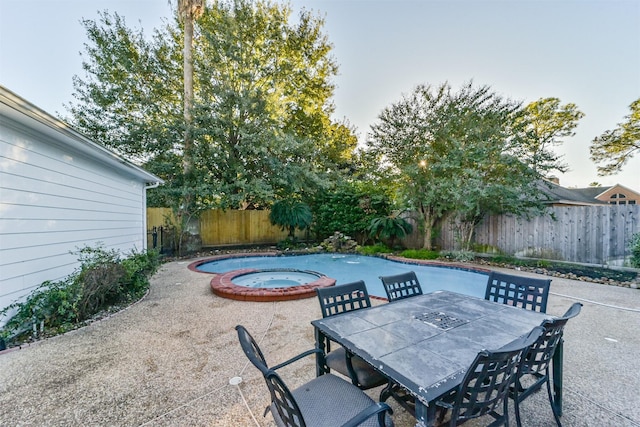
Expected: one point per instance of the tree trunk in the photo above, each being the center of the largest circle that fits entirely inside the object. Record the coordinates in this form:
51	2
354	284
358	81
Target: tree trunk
188	92
429	220
189	11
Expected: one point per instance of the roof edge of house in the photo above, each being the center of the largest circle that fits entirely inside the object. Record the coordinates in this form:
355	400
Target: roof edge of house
26	113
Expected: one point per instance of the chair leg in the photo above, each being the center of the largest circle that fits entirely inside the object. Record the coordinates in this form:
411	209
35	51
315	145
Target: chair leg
505	409
516	404
442	413
553	406
386	392
404	400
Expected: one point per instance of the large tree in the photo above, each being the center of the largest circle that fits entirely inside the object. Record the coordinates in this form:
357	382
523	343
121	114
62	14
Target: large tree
546	122
260	119
615	147
456	153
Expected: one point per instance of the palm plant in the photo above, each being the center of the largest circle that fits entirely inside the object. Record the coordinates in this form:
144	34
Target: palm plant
389	227
291	214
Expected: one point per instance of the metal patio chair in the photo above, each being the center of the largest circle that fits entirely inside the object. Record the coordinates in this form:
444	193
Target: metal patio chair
401	286
340	299
397	287
525	292
537	361
326	400
485	386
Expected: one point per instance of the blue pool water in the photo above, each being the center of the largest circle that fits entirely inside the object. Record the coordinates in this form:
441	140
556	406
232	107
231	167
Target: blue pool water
274	279
350	268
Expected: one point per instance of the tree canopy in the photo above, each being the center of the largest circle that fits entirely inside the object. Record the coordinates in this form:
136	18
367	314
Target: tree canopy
614	148
546	123
260	117
466	153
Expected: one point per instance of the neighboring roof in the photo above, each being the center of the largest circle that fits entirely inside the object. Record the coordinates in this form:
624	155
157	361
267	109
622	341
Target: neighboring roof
592	192
617	187
18	109
571	196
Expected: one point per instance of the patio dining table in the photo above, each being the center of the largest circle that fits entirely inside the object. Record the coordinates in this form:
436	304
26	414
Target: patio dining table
426	343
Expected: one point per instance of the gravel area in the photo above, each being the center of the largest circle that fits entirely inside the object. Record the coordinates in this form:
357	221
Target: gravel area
167	361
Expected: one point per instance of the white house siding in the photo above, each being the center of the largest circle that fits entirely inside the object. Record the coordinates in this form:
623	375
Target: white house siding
56	199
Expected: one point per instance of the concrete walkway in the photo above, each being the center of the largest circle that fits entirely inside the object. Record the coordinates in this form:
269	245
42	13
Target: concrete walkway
167	361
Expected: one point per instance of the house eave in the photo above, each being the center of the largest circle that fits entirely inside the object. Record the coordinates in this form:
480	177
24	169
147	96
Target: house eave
23	112
574	203
620	186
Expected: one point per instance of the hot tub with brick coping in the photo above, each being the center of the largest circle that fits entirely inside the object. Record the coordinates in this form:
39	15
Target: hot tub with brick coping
277	285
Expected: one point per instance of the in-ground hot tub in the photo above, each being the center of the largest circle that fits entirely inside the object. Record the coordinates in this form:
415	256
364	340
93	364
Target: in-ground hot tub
273	284
275	278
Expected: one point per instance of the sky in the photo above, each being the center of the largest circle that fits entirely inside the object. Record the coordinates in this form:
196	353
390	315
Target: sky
585	52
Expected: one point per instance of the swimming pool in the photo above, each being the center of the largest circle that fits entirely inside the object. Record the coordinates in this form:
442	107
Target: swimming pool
347	268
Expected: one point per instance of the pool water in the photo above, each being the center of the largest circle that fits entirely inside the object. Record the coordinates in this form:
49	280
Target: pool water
347	268
274	279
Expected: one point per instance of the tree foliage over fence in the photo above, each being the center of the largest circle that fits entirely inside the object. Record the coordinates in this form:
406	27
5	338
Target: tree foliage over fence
468	153
614	148
261	123
259	128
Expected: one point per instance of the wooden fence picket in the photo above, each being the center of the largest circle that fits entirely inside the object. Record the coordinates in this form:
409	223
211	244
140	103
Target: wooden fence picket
586	234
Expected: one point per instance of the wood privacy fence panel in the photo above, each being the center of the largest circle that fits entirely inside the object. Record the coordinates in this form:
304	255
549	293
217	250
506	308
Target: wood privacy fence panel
231	227
156	217
587	234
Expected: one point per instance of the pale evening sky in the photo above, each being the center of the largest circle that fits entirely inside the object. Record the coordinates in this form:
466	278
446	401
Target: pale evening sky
581	51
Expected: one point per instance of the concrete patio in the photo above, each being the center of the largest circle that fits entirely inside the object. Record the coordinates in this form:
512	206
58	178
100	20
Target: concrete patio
167	361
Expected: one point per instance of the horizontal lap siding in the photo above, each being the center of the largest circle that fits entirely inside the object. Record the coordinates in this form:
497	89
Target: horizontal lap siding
54	202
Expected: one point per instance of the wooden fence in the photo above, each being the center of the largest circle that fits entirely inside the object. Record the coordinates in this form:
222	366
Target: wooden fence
231	227
585	234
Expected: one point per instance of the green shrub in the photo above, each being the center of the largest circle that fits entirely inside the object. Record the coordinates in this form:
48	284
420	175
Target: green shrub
635	250
507	260
139	267
378	248
543	263
291	244
102	280
420	254
348	209
52	305
99	280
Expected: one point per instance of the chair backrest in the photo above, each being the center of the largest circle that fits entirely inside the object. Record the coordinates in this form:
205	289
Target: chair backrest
486	383
525	292
251	349
343	298
401	286
287	412
541	352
